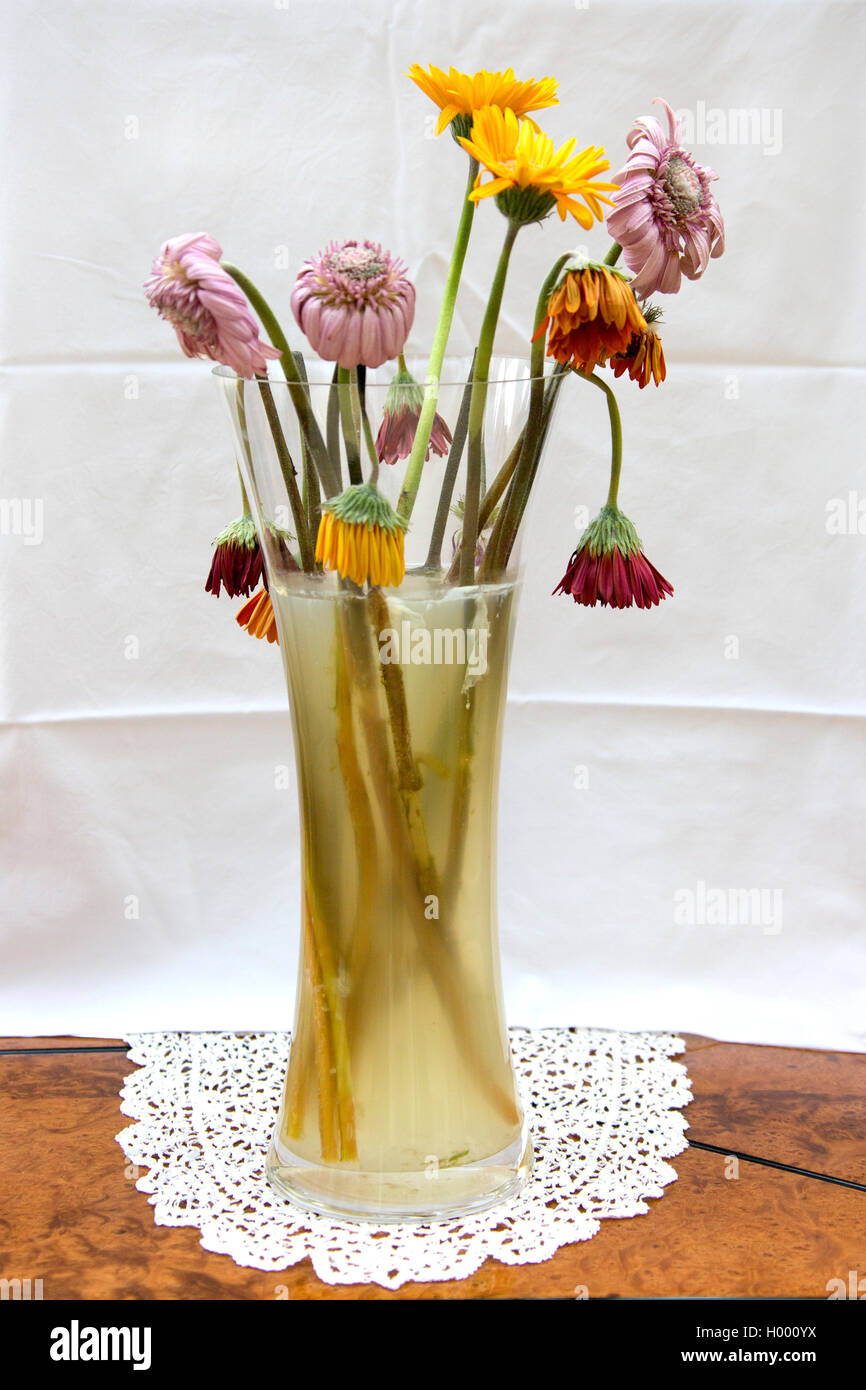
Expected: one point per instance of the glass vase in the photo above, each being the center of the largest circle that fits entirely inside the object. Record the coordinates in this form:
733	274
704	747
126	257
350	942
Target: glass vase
400	1101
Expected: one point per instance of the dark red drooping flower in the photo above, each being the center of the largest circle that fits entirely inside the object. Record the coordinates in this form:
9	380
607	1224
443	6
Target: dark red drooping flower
237	560
400	421
610	568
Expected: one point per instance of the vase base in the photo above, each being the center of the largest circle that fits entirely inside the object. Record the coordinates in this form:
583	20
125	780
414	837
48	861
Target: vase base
389	1198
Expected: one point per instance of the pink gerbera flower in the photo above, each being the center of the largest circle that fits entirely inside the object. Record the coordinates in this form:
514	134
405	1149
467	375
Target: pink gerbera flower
665	217
208	312
354	303
610	568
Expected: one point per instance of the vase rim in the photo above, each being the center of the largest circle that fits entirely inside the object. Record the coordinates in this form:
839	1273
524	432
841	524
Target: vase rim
504	370
418	586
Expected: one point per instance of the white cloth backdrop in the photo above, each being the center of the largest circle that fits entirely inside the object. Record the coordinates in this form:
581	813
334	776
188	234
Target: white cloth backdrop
150	855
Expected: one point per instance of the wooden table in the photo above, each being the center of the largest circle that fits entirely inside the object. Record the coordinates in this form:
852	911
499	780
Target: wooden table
71	1215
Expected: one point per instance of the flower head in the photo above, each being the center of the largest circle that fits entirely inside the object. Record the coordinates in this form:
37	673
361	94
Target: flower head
209	313
257	616
529	176
237	560
400	421
459	95
609	566
643	359
665	217
354	303
592	314
361	537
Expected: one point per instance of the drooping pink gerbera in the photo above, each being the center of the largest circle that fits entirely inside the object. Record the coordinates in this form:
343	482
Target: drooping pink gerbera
610	568
209	313
354	303
400	421
665	217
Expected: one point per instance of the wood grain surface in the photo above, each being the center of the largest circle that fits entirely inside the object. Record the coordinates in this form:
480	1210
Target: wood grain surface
71	1215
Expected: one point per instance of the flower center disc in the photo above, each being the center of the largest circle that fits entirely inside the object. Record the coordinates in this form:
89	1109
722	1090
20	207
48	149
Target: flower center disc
683	185
357	263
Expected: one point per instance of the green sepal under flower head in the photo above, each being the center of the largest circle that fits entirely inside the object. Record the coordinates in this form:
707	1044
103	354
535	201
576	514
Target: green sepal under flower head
279	533
653	313
241	533
404	393
362	504
610	530
461	125
579	260
525	205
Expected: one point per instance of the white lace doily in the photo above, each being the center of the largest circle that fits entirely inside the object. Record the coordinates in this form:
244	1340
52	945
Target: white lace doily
604	1109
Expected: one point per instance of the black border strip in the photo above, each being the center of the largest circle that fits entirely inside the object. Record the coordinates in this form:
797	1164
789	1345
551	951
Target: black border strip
775	1163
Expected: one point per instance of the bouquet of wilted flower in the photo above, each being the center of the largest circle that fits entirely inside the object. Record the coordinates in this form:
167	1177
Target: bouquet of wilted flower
397	759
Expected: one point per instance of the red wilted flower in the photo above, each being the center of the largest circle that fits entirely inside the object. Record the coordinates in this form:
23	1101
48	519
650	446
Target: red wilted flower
257	616
610	568
237	560
400	421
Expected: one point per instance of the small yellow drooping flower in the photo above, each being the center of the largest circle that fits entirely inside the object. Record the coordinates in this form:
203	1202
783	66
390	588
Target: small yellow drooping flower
361	537
529	175
460	94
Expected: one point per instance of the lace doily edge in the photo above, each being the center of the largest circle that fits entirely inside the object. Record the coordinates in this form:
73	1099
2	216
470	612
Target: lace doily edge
132	1140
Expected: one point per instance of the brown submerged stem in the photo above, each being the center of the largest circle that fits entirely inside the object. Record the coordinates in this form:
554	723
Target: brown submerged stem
407	839
334	1017
322	1039
361	812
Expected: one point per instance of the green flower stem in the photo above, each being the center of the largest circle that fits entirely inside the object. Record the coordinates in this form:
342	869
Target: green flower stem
494	493
245	501
449	477
359	412
412	477
613	254
509	519
503	477
332	425
472	500
309	426
615	436
351	434
290	476
311	494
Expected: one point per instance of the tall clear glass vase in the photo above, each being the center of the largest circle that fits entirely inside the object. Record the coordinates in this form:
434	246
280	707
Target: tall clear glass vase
400	1100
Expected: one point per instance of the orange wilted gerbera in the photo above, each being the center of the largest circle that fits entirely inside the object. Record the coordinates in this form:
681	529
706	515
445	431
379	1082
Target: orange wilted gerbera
643	359
592	314
460	94
257	616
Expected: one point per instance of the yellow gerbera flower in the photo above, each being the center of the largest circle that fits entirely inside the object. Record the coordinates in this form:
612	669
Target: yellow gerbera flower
361	538
458	94
529	176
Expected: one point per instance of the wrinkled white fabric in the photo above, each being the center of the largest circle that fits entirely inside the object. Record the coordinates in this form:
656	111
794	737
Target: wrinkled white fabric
655	763
604	1110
